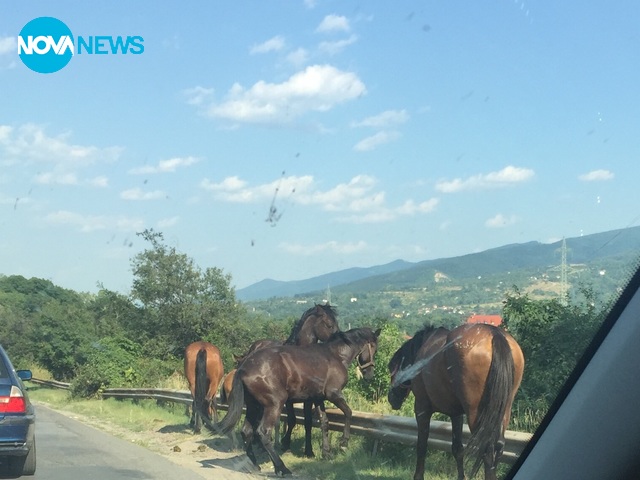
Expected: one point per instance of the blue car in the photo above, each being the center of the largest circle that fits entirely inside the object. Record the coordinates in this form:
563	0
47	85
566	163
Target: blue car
17	421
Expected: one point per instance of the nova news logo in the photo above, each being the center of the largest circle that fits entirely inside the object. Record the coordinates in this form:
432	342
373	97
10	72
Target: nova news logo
46	45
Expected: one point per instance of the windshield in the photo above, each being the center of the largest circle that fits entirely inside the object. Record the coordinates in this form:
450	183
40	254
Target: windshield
213	171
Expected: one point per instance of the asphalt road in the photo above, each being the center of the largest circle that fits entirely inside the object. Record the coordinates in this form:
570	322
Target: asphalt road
70	450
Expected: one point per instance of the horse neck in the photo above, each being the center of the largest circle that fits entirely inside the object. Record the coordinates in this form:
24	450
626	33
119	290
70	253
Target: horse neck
346	353
304	334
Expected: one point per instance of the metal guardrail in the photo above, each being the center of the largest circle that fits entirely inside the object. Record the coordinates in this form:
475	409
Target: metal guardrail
385	428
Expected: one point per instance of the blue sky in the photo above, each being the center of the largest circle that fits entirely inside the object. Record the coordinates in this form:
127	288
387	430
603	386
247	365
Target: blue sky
376	130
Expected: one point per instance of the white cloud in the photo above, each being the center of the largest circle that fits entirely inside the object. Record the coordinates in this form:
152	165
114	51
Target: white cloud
333	23
30	143
198	95
51	178
310	3
327	247
165	166
138	194
8	45
596	176
69	178
272	45
384	119
374	141
298	57
99	182
91	223
168	222
508	176
337	46
356	198
500	221
316	88
380	215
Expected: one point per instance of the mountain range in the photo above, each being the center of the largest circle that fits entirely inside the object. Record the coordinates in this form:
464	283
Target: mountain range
401	274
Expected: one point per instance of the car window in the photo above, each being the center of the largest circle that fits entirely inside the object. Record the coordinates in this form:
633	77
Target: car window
4	373
173	174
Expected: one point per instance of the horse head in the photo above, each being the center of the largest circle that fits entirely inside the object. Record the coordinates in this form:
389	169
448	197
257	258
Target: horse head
316	324
326	323
399	390
365	357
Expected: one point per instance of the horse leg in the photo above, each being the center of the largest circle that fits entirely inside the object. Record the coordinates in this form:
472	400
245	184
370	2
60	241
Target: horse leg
324	427
457	449
192	420
423	420
248	429
308	424
494	452
489	463
265	427
285	442
341	403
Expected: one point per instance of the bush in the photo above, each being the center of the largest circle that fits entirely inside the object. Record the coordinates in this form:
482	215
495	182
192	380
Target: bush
112	362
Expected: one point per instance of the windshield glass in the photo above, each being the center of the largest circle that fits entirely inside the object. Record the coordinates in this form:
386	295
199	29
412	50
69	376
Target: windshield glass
213	171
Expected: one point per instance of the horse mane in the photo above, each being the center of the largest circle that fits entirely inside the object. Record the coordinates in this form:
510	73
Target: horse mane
328	309
415	343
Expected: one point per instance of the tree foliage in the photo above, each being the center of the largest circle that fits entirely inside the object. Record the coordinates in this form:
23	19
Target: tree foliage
553	336
179	302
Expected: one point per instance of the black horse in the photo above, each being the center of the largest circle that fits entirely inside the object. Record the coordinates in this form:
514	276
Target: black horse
316	324
473	370
271	376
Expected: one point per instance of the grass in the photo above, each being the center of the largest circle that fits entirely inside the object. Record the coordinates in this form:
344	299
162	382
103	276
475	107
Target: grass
390	462
135	416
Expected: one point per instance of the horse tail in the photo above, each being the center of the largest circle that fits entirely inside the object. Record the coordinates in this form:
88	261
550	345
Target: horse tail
202	382
496	397
236	403
223	391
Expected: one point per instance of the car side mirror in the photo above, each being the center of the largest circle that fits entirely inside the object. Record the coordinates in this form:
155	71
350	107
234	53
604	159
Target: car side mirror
25	375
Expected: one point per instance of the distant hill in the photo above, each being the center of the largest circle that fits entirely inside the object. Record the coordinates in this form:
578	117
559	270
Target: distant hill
274	288
405	275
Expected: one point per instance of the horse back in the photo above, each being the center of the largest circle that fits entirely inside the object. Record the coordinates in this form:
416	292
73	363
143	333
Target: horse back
214	365
292	372
433	387
470	359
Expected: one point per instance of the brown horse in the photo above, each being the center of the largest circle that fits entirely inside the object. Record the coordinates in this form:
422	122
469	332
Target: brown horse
316	324
270	377
204	370
474	369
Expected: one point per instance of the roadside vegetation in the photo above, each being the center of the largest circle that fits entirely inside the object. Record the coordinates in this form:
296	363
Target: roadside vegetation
109	339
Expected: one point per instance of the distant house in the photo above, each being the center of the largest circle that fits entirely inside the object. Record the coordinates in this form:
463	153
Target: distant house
494	320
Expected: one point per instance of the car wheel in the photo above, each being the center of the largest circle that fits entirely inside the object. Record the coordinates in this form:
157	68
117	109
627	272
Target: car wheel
26	465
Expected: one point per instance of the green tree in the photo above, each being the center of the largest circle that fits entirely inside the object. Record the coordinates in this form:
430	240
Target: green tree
553	336
62	334
111	362
180	303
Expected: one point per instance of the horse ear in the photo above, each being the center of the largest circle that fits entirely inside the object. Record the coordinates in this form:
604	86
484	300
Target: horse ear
237	358
377	333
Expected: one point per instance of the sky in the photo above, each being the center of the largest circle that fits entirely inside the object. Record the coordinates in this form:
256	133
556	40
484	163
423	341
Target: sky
286	140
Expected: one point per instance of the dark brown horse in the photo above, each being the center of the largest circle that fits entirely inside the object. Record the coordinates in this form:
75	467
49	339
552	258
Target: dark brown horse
204	370
474	369
270	377
316	324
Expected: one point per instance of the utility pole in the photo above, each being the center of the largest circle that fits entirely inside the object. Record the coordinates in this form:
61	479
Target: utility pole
564	285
